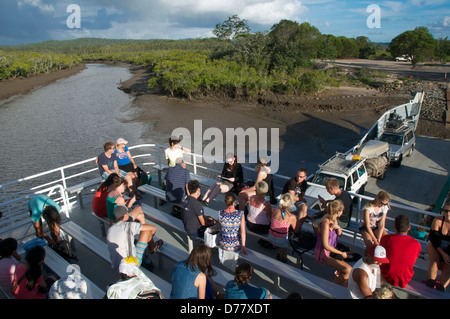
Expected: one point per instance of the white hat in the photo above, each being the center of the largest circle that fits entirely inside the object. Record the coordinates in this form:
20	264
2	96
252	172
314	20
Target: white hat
378	253
127	265
121	141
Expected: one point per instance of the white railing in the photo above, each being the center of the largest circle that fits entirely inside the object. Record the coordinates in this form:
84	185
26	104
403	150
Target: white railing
59	179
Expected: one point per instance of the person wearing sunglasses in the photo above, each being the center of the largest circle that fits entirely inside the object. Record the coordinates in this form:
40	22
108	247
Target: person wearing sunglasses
374	219
438	250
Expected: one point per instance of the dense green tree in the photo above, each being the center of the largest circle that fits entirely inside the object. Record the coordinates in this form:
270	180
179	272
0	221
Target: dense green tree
418	44
231	28
443	50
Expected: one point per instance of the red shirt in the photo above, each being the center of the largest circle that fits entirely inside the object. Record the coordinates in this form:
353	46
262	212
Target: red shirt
402	252
99	203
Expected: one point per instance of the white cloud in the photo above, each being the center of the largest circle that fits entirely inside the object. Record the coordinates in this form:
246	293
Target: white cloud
37	4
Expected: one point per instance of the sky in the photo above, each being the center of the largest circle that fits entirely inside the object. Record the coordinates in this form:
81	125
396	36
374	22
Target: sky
29	21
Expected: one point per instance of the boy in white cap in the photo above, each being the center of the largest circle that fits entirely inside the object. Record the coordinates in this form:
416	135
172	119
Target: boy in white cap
365	276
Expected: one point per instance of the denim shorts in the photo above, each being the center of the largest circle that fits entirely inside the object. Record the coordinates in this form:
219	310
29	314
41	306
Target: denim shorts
122	174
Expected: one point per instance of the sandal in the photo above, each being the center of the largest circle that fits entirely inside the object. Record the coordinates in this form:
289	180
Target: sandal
155	246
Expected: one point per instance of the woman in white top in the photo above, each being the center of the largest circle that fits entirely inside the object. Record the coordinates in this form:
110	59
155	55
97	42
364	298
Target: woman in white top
175	150
375	211
259	210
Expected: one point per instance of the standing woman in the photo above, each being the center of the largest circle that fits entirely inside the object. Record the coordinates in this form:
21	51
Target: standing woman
231	176
438	250
325	251
375	212
232	236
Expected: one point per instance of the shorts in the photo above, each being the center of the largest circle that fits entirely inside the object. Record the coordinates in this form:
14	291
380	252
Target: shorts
122	174
279	242
127	168
364	228
258	228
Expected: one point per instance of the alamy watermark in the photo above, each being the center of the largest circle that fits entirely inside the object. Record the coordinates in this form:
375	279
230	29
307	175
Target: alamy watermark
74	20
374	19
252	141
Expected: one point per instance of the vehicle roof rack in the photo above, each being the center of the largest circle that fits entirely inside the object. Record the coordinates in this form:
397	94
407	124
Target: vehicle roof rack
340	164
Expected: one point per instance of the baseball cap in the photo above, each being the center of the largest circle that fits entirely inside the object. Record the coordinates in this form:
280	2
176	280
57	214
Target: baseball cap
121	141
378	253
120	211
176	138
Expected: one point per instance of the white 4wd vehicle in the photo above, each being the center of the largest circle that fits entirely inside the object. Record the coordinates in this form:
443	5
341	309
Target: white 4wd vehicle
349	170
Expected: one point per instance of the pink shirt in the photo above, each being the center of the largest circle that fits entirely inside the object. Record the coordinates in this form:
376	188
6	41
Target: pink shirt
7	270
22	291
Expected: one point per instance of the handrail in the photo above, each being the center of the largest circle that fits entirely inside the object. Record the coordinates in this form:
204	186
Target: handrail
158	157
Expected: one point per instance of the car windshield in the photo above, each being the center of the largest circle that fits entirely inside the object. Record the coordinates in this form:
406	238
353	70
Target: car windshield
392	139
321	179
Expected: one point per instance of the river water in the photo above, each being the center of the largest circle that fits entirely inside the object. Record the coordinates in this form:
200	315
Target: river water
65	122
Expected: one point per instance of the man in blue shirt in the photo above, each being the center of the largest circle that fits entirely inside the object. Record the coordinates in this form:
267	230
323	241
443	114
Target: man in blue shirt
177	178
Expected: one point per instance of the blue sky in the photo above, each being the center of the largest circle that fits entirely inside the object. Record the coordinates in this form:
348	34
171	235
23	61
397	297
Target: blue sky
28	21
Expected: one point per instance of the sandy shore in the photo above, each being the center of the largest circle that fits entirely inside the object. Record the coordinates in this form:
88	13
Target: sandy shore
323	124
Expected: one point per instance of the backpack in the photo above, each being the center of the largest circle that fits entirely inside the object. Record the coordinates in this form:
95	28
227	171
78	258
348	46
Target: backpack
144	177
62	248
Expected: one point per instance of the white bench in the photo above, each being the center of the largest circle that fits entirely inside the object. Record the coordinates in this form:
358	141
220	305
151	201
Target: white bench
100	248
104	223
78	188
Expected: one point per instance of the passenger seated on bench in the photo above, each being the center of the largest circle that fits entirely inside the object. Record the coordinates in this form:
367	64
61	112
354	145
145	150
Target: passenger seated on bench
99	200
29	276
192	278
192	214
175	150
115	198
239	288
107	164
43	206
402	251
282	220
259	210
133	283
332	187
325	252
264	174
9	260
124	158
364	276
375	211
232	175
121	235
438	250
177	179
297	186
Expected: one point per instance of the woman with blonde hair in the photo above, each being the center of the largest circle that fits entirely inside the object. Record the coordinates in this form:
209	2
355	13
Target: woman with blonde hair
264	174
375	211
282	220
325	251
259	210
